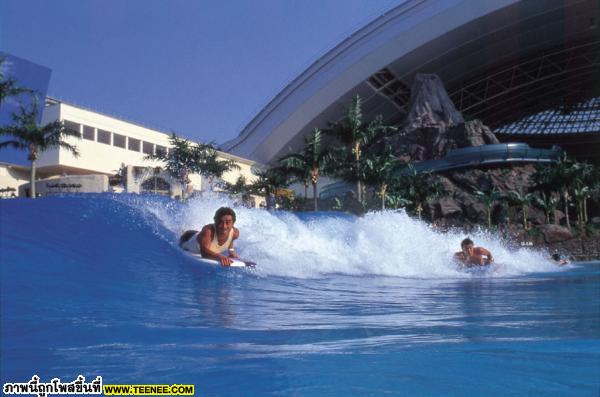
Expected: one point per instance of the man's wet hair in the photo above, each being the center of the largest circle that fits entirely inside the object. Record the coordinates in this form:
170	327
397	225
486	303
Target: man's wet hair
221	212
466	241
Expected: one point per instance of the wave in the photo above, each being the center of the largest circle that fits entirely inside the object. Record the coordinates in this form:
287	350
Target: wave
305	245
388	243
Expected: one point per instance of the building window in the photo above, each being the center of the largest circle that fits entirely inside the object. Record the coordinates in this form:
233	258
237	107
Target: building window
161	150
156	185
88	133
104	137
148	148
134	144
119	140
73	126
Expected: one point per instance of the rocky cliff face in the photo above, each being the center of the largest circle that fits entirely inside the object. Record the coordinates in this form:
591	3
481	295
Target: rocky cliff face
460	207
433	126
430	105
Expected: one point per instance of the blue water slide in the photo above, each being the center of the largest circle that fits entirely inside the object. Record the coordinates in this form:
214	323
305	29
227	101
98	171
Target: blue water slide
474	156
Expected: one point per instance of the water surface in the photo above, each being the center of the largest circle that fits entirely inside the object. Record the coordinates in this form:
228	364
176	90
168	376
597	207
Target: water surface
370	306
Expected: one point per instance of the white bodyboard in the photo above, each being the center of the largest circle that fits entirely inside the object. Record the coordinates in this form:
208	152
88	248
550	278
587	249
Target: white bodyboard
213	262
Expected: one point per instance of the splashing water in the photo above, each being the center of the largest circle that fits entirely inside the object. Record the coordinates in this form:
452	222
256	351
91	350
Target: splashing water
315	244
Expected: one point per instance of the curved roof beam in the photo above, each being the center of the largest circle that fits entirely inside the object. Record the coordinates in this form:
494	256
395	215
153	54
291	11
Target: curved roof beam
460	40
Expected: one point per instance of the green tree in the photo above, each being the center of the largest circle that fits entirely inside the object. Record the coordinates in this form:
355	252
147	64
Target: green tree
8	86
240	187
417	188
559	178
547	202
300	175
312	160
268	183
355	136
562	178
395	199
379	169
522	200
580	194
543	183
586	182
185	158
28	135
489	199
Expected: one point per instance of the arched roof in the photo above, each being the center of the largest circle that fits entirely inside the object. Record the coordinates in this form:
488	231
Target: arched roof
499	60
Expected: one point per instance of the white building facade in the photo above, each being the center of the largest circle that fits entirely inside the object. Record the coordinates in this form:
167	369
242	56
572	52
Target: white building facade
108	146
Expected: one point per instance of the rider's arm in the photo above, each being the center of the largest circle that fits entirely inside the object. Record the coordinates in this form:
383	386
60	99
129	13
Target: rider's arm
483	251
236	235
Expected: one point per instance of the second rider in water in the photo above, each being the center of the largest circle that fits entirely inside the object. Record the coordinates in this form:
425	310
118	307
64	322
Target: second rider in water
470	256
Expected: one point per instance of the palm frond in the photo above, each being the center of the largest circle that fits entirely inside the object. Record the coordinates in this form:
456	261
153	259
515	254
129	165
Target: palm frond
13	144
71	148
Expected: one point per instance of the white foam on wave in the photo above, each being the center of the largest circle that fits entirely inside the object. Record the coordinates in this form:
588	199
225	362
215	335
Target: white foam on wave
385	243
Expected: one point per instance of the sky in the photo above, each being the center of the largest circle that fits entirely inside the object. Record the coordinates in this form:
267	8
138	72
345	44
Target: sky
201	69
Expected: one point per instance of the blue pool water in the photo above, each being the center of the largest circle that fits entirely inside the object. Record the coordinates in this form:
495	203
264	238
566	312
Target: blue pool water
339	305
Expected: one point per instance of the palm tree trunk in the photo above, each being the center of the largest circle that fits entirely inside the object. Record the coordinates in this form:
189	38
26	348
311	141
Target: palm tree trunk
32	180
184	185
315	196
356	150
382	193
489	216
585	215
546	209
566	200
524	218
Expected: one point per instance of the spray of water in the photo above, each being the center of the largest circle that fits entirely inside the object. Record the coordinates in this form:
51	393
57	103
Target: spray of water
380	243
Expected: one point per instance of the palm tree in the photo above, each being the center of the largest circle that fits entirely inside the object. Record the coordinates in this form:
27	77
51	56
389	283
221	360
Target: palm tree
543	183
593	182
558	178
418	188
8	86
580	194
379	169
268	183
28	135
239	188
586	181
355	135
562	176
548	203
396	199
185	158
312	160
296	175
523	200
488	199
